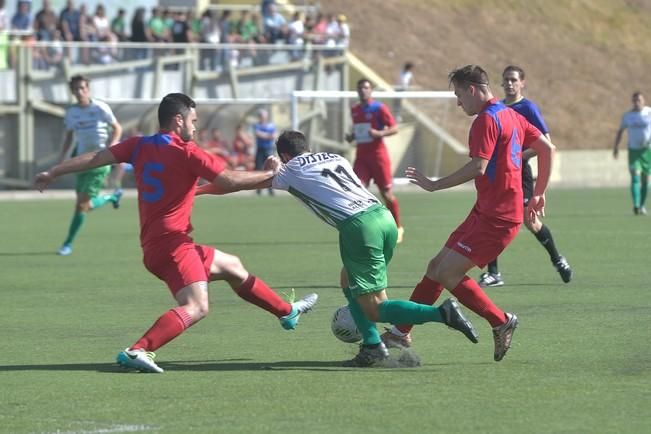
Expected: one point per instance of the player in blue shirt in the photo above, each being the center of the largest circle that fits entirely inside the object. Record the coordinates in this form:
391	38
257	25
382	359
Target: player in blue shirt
513	84
265	135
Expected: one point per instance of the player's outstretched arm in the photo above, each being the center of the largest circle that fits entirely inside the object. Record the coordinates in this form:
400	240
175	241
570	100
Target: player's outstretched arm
81	163
618	138
230	181
475	167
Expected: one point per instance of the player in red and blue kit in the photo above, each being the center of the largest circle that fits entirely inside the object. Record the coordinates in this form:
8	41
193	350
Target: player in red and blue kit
372	121
513	83
497	138
167	167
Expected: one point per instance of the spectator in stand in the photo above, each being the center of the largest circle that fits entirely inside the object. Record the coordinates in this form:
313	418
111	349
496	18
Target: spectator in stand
181	31
275	25
242	149
296	29
156	25
45	22
319	29
217	146
22	19
343	38
228	36
168	21
209	34
140	33
70	21
101	23
88	33
332	31
264	7
195	25
119	26
404	83
4	19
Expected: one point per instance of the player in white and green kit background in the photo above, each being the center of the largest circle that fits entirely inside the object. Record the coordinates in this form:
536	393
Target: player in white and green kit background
90	125
638	124
327	185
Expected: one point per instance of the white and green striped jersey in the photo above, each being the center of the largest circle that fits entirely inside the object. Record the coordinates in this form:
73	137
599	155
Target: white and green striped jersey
91	125
326	184
638	124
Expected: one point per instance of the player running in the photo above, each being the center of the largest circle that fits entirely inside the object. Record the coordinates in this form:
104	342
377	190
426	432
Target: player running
327	185
372	121
513	84
497	137
167	167
90	125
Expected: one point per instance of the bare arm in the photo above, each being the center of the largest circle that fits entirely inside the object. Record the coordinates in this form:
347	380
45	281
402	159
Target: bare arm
67	142
472	169
545	151
389	131
529	152
230	181
81	163
618	138
116	134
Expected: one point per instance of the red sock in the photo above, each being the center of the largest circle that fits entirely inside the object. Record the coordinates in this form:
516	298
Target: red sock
426	292
394	208
255	291
167	327
471	295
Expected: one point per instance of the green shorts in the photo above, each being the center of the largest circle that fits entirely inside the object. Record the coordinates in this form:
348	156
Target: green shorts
639	160
366	243
92	181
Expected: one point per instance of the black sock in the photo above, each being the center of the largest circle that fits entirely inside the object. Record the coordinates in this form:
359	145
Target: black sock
492	267
544	236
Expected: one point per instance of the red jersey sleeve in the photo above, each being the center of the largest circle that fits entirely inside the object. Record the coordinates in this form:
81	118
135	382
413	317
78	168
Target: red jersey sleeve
123	151
203	164
484	134
386	117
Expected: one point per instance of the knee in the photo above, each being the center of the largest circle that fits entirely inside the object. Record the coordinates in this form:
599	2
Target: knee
197	310
83	206
372	312
233	269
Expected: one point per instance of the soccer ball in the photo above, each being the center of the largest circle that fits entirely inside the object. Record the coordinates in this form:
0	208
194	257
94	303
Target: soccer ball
343	326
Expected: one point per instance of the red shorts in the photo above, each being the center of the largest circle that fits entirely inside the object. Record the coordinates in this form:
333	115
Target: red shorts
482	239
376	167
178	261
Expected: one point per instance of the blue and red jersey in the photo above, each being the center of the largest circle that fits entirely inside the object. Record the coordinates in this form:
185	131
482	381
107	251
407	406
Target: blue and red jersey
167	170
373	115
499	134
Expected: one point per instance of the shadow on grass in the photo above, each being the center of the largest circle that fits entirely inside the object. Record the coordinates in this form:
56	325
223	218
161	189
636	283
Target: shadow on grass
192	366
270	243
9	254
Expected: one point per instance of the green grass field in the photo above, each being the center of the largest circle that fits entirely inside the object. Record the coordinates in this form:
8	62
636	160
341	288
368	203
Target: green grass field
580	363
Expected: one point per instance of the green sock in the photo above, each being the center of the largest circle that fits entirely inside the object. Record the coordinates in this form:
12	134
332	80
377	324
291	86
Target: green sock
370	335
643	189
408	312
100	201
635	190
75	225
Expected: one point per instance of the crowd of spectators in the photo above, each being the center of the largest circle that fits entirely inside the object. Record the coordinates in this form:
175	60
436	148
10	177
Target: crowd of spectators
73	23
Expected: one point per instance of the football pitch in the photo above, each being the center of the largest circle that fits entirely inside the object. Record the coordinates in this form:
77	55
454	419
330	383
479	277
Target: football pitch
580	361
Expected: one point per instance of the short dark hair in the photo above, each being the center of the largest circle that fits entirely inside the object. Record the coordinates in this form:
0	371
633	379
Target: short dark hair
467	75
292	142
514	68
78	79
636	94
172	105
364	80
408	66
